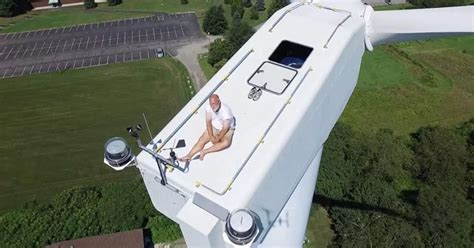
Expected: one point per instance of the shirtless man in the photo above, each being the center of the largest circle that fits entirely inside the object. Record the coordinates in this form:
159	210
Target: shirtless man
220	125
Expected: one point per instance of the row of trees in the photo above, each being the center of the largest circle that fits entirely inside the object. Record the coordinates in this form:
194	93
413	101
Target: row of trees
383	190
437	3
85	211
10	8
235	34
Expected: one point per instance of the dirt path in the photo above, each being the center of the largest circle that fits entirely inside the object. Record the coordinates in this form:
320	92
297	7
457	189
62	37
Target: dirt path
188	55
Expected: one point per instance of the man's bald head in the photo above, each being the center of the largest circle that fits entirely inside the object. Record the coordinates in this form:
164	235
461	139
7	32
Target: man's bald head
215	102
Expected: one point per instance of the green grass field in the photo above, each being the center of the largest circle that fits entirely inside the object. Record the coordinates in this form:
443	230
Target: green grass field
54	125
318	232
414	84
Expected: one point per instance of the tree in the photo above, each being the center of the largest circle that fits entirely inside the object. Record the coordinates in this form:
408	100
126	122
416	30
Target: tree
276	5
440	155
220	64
218	50
254	13
247	3
214	21
237	6
260	5
227	1
444	216
238	34
114	2
437	3
10	8
89	4
184	2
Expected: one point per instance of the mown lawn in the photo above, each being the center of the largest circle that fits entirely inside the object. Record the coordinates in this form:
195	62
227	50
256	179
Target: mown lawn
54	125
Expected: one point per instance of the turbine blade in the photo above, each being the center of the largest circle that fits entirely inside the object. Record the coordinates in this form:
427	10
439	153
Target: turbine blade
403	25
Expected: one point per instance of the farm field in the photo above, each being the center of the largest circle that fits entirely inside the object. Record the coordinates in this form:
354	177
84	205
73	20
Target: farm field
54	125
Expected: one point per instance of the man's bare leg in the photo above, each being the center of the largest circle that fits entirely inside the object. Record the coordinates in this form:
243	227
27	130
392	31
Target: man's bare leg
219	146
202	141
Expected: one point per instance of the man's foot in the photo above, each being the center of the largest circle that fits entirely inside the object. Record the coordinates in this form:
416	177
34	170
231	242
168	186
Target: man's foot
186	158
201	156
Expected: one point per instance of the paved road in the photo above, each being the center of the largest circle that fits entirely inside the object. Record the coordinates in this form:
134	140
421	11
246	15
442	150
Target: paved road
94	44
188	55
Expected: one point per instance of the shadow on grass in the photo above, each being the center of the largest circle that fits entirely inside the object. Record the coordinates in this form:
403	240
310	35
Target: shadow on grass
327	202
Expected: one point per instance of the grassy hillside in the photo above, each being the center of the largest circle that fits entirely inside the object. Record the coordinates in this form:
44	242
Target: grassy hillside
405	86
54	125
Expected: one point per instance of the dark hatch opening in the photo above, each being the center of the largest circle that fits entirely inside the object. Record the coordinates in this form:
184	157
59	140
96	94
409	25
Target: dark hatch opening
291	54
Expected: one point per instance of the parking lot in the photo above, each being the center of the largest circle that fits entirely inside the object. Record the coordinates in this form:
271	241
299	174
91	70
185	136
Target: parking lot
94	44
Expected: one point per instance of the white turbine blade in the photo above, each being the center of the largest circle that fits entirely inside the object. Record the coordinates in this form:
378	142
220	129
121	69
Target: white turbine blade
403	25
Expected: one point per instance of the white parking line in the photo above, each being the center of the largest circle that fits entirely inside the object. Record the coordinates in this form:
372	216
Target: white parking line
107	60
115	58
5	73
82	63
23	72
80	43
131	56
90	64
64	46
146	34
103	38
95	40
65	66
124	38
139	38
49	47
31	70
33	50
5	48
27	34
70	29
169	36
6	36
42	31
57	46
154	36
21	34
49	67
175	33
148	53
117	38
87	43
49	31
41	67
74	65
182	30
100	57
140	55
17	51
161	34
8	53
26	50
14	35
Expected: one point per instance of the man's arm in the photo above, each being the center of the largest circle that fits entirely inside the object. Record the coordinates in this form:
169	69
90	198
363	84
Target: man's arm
224	130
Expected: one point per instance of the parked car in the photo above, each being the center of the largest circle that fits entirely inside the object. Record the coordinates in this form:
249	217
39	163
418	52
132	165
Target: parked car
160	52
